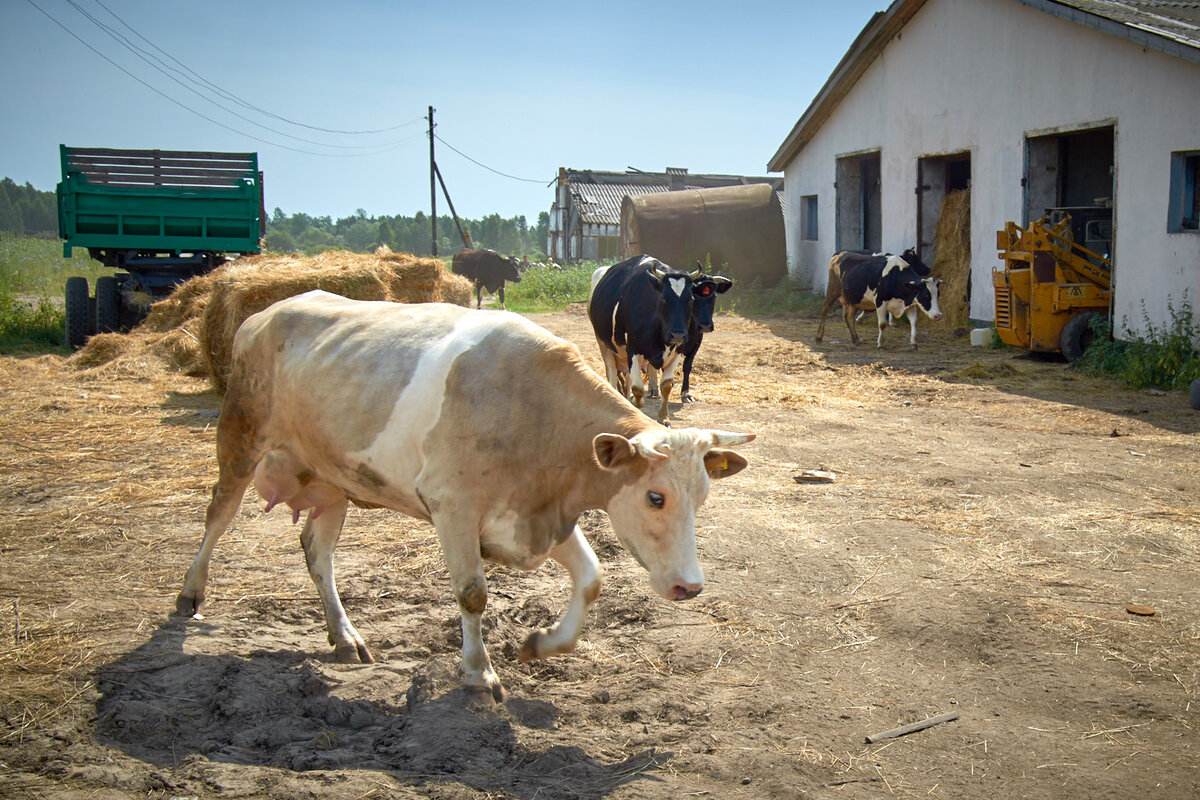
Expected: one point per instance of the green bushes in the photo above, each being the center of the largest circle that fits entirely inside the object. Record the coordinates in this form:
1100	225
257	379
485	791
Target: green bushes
550	288
29	327
1164	357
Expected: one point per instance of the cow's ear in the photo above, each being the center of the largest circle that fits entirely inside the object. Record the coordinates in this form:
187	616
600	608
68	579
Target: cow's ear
723	284
655	281
723	463
613	451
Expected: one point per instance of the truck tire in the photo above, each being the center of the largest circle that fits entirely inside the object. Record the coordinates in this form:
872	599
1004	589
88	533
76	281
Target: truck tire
1077	334
108	305
1194	394
78	312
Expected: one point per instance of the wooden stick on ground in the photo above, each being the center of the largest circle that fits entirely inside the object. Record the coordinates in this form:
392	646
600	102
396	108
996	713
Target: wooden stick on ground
913	727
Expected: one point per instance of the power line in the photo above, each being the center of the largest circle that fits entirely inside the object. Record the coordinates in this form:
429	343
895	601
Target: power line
146	58
485	166
167	97
234	98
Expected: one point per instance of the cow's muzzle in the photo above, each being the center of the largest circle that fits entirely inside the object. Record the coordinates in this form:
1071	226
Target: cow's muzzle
685	591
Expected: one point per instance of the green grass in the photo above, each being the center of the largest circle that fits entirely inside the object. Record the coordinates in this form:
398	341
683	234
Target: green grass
33	276
546	289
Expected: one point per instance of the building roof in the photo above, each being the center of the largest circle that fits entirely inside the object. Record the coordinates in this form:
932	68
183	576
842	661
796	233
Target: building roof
597	195
1170	27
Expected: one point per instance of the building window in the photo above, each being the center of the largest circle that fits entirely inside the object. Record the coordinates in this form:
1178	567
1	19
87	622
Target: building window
1183	214
808	217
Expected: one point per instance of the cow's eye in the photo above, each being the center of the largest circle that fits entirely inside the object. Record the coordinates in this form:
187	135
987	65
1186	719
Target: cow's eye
705	291
656	499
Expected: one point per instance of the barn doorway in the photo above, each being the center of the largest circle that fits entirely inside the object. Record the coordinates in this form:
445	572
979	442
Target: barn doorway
1074	173
859	203
944	228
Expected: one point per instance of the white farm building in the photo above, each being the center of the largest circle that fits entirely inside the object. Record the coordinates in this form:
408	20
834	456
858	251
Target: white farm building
1027	105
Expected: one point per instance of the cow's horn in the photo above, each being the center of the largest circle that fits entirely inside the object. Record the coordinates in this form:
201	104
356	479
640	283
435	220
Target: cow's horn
728	439
659	270
696	273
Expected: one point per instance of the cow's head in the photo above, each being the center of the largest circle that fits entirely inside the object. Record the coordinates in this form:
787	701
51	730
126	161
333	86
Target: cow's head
913	260
927	297
512	269
705	289
675	300
666	479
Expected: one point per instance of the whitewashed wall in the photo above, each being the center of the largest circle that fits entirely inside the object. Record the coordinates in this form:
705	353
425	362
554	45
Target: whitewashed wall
980	75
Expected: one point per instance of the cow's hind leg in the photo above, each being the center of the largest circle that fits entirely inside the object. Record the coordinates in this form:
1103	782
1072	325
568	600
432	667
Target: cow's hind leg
881	315
460	545
319	538
577	556
226	500
848	312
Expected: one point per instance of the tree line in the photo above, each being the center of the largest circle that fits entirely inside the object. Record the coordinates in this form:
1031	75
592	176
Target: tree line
27	211
289	233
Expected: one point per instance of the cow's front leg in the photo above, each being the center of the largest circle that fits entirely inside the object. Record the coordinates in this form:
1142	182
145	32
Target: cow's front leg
666	383
636	388
882	315
460	545
504	307
319	538
912	324
577	556
226	499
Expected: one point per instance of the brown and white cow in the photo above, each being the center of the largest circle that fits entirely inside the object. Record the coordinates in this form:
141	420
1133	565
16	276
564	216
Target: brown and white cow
480	422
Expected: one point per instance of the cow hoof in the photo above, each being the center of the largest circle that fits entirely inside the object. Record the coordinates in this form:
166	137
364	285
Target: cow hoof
188	606
638	401
485	697
353	653
689	398
529	650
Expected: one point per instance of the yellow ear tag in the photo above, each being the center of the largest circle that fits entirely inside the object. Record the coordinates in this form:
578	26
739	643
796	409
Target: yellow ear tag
724	465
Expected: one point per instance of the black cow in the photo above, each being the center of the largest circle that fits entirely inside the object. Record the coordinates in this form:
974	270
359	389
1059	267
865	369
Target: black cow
881	282
705	289
640	311
488	270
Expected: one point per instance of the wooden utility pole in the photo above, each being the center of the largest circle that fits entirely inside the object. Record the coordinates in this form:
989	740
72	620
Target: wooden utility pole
432	184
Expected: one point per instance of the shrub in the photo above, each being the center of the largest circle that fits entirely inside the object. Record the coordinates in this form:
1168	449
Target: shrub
1163	357
550	288
25	327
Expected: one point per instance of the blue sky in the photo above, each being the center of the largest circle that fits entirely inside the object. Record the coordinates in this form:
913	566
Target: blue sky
522	88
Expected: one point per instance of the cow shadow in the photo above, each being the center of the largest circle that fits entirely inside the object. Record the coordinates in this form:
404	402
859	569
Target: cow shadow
949	357
281	709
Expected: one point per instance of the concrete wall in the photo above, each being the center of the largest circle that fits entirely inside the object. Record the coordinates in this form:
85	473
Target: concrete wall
980	76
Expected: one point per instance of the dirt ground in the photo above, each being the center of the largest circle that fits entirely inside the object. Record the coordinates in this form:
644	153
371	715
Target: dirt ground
991	521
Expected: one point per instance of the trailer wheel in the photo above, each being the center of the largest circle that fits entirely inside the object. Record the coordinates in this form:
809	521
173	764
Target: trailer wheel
1194	394
1077	334
108	305
78	311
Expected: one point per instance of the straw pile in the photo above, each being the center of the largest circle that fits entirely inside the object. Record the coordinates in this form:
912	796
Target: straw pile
952	257
192	330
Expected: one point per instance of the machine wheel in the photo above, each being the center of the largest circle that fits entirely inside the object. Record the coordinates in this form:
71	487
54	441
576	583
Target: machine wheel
108	305
1194	394
78	312
1077	334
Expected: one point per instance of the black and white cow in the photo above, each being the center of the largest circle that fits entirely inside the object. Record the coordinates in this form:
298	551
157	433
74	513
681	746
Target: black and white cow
881	282
640	311
488	270
705	289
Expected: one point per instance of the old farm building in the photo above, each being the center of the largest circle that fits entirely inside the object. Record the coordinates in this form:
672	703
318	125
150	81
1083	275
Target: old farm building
585	220
1010	107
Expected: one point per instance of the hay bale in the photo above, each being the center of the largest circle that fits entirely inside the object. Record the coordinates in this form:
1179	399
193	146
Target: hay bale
952	257
249	285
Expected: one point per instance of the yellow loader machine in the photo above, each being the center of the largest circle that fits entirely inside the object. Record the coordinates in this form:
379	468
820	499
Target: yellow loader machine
1049	289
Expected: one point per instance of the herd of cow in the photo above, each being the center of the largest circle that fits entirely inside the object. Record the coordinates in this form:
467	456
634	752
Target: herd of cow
443	413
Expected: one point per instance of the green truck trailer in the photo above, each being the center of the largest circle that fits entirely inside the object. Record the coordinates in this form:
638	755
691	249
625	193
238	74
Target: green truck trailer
159	217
